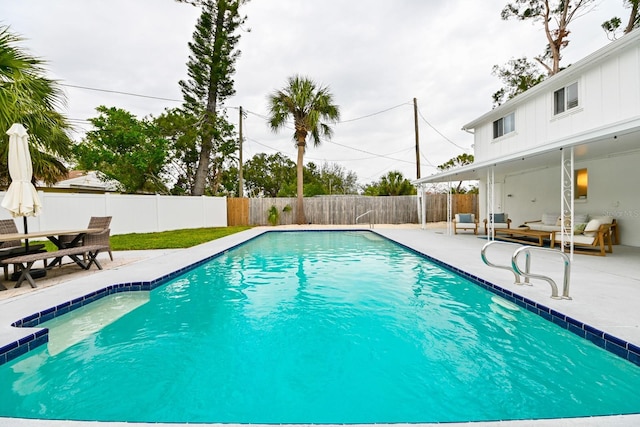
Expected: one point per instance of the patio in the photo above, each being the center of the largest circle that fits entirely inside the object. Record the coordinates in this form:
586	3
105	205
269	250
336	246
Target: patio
605	290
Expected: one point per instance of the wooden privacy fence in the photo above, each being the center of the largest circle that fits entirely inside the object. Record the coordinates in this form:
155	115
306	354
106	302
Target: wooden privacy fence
237	211
345	209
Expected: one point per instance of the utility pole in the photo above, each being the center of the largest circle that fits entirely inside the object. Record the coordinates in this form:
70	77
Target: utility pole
240	181
415	121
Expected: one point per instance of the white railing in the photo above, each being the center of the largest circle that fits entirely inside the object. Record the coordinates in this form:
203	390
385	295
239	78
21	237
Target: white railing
131	213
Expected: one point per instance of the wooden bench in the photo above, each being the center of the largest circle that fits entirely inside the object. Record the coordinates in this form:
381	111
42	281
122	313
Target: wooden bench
25	262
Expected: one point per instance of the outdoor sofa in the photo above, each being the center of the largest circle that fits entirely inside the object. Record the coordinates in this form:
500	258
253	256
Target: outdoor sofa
591	234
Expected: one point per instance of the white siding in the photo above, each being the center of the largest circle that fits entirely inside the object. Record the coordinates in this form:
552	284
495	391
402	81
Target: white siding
609	93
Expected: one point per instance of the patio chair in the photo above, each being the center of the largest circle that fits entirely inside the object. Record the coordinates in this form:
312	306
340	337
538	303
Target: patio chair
500	220
465	221
14	247
101	238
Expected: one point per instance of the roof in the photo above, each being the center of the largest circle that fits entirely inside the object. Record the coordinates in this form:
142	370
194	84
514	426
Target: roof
86	180
608	140
568	73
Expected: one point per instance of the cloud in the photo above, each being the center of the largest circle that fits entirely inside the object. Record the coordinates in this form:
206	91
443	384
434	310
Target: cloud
373	54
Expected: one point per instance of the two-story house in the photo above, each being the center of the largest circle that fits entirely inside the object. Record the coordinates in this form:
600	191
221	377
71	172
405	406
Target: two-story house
571	142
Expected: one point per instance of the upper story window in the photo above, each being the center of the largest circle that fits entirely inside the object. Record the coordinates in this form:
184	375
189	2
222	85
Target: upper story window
565	99
504	125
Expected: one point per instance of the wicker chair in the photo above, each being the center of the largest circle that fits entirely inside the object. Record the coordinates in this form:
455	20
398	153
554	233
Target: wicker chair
14	247
101	238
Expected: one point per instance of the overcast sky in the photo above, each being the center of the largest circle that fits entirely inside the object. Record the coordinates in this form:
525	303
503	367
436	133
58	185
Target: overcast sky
375	55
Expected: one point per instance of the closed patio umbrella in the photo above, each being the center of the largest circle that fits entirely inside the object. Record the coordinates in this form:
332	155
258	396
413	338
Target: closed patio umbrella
21	198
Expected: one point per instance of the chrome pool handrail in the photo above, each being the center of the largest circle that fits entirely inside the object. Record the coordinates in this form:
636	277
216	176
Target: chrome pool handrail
483	255
552	283
366	213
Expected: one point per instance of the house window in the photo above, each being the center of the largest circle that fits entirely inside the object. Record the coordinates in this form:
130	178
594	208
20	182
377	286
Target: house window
581	184
504	125
565	99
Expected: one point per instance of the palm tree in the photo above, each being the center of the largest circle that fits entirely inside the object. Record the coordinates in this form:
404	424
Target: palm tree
395	184
28	98
310	107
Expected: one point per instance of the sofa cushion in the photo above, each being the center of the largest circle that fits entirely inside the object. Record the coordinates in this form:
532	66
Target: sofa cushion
538	226
583	240
466	225
591	229
550	219
604	219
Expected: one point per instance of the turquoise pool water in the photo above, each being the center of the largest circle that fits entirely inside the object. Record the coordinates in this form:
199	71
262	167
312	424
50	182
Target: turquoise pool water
314	327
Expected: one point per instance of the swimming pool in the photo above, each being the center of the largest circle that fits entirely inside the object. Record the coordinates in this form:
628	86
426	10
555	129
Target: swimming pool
346	300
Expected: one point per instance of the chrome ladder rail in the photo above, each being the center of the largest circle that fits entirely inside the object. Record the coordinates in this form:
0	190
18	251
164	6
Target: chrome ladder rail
483	255
515	269
366	213
552	283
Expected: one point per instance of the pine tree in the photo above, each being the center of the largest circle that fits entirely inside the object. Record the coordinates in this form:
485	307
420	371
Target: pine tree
210	67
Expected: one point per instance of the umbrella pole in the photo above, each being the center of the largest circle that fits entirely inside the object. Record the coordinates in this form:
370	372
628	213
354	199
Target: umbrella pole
26	231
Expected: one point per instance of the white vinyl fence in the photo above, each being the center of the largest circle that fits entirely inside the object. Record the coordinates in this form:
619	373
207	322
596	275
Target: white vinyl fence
131	213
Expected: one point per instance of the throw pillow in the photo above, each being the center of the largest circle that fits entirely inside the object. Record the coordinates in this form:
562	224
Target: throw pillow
591	229
579	228
465	218
499	217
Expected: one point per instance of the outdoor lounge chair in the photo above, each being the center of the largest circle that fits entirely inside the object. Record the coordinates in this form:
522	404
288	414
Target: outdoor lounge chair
14	247
465	221
594	240
101	238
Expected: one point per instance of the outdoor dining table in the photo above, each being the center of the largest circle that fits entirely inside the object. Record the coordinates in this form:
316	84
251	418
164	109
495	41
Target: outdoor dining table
53	236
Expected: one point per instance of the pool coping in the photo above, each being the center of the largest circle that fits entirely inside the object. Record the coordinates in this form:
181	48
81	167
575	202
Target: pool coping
174	265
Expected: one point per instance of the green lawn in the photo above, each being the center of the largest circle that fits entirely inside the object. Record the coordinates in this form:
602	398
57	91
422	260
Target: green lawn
167	239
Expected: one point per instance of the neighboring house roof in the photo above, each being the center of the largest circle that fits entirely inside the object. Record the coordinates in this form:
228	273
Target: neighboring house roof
86	180
592	143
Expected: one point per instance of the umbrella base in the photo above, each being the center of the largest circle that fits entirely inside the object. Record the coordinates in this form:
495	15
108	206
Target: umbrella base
36	273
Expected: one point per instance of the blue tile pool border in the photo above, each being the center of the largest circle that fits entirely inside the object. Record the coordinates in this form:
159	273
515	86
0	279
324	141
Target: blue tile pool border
611	343
40	337
615	345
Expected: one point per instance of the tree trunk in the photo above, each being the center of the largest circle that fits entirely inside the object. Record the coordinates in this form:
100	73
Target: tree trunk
632	17
203	169
300	217
206	132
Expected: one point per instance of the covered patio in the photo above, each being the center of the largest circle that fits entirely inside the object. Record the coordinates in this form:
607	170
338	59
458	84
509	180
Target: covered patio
528	184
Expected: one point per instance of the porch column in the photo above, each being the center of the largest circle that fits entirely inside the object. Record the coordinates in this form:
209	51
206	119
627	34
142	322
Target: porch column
566	199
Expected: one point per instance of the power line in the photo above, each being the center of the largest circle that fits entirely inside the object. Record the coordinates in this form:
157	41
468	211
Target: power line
374	114
375	155
122	93
439	133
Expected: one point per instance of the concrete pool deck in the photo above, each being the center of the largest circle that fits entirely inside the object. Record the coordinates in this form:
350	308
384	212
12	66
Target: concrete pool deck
605	291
